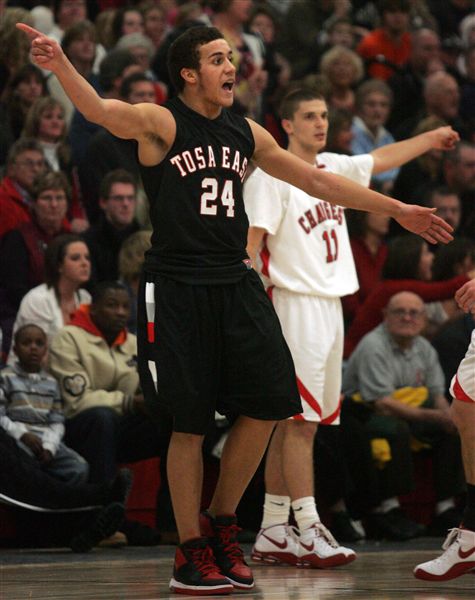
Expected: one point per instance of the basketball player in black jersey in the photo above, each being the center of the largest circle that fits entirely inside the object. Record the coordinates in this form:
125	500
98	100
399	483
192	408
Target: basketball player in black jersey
209	336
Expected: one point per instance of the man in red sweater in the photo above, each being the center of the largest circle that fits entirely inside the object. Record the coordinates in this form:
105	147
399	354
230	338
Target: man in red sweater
25	162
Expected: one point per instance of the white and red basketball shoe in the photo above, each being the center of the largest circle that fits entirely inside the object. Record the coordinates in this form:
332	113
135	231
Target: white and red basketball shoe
458	558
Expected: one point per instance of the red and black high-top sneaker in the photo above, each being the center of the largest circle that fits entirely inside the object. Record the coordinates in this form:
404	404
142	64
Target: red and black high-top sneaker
195	571
222	531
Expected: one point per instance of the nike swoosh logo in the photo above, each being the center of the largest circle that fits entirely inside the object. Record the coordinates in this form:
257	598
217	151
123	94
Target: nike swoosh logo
308	548
277	503
281	545
466	554
297	509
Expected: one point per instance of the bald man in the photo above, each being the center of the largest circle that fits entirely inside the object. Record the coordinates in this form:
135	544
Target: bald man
398	377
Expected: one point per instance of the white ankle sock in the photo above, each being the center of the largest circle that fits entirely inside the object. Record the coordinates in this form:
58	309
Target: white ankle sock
276	510
305	512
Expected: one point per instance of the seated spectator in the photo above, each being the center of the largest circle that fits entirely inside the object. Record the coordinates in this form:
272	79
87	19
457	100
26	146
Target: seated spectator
79	45
131	258
449	261
407	267
408	85
106	152
23	482
127	19
115	66
94	360
31	409
154	22
142	48
416	176
343	69
373	105
367	238
118	200
22	256
340	134
448	205
25	162
45	122
467	91
388	47
66	14
458	170
51	304
395	374
13	51
26	86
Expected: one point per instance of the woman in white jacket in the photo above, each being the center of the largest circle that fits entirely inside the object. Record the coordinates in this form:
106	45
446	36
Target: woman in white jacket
51	304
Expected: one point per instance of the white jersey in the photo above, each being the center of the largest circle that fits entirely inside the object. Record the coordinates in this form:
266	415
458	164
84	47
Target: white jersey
462	386
307	249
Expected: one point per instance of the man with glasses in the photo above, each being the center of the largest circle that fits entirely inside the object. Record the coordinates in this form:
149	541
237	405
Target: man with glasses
24	163
117	222
396	376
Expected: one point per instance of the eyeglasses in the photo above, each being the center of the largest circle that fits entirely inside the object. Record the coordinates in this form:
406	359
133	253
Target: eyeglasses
52	197
27	162
122	198
412	313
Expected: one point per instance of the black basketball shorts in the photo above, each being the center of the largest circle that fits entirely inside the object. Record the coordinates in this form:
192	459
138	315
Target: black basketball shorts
207	348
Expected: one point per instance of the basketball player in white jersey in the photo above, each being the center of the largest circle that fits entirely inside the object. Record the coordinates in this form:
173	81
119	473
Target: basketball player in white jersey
307	258
458	557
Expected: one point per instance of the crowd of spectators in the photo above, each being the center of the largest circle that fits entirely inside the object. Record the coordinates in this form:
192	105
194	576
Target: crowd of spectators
73	213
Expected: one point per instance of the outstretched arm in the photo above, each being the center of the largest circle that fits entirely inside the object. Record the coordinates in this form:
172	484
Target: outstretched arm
395	155
338	190
120	118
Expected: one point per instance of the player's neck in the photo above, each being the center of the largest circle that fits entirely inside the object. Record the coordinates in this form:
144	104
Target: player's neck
200	105
305	153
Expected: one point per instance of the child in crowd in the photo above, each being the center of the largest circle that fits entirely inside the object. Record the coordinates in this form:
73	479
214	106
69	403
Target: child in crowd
31	409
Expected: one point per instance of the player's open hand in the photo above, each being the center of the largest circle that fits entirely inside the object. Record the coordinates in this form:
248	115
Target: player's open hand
423	221
465	296
45	52
444	138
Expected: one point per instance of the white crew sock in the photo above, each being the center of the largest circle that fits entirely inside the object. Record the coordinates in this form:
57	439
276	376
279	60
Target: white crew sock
276	510
305	512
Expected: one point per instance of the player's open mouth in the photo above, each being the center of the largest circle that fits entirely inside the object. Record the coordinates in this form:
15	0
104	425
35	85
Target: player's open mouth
228	86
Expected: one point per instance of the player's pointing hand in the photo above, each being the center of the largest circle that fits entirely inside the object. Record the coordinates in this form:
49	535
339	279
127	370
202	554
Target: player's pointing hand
423	221
45	52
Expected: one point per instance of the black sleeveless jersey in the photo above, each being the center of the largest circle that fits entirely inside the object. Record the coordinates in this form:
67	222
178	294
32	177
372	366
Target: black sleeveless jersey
195	195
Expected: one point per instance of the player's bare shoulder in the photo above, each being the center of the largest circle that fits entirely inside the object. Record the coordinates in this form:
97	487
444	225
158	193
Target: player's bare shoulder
158	134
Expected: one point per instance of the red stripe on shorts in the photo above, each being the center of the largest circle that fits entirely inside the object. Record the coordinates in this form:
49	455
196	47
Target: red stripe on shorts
265	257
309	399
151	332
459	393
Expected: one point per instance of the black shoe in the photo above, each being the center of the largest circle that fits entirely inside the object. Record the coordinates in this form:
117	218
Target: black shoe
393	525
448	519
139	534
343	529
103	525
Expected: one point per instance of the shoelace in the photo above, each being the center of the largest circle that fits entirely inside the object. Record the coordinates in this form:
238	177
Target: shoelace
450	539
323	531
203	559
227	536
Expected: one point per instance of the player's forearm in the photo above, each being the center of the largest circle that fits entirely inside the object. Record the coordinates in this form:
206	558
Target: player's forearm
397	154
339	190
80	92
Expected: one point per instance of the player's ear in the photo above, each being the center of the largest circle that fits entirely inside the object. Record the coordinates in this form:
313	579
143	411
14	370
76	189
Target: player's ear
189	75
287	126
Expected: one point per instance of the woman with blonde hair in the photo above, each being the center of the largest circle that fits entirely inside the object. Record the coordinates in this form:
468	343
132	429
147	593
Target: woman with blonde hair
343	69
131	257
46	123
